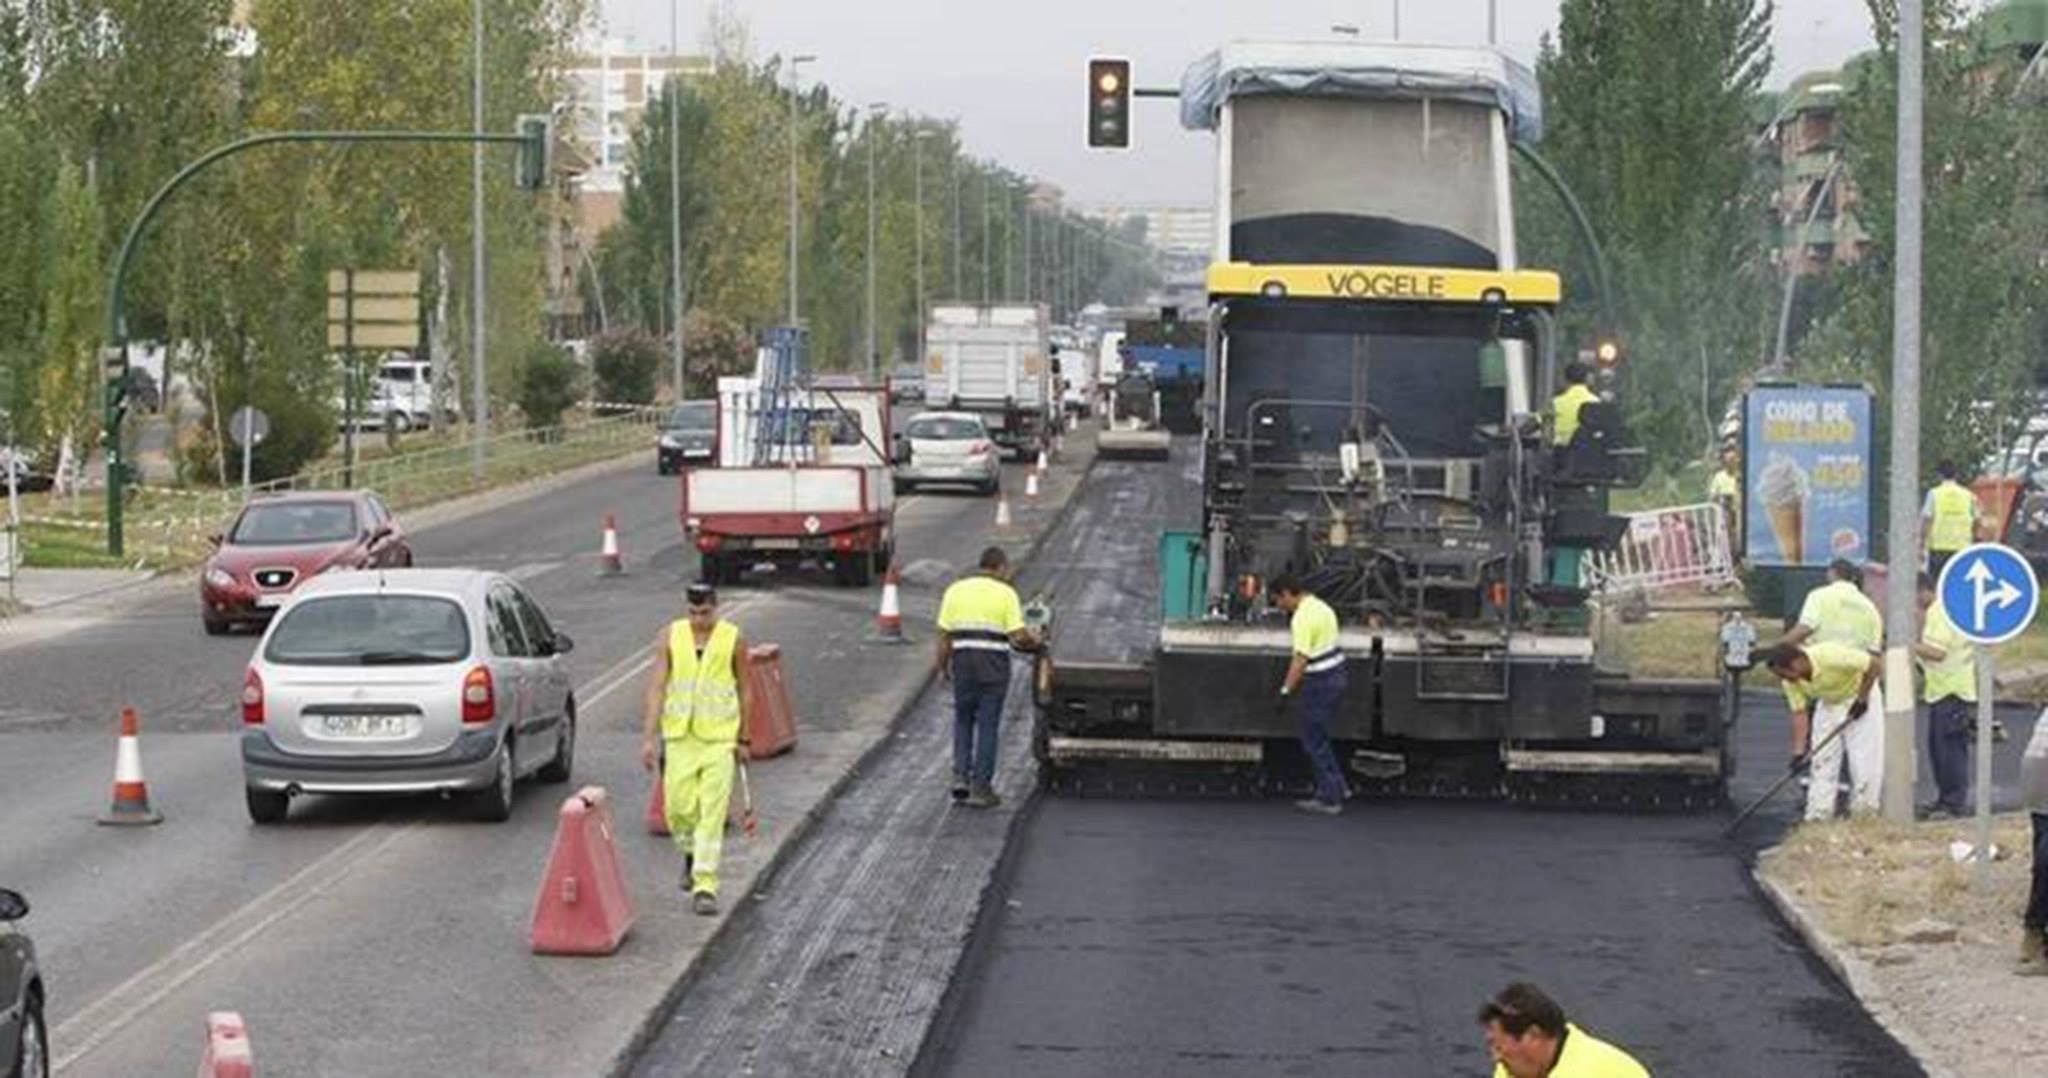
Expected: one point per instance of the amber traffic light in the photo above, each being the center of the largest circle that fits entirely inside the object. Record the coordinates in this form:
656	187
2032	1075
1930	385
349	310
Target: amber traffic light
1109	103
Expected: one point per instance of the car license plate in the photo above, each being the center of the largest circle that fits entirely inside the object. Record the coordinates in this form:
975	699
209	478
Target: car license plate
363	726
269	601
777	544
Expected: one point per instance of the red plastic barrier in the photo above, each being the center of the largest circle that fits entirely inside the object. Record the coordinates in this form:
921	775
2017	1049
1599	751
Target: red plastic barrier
771	726
228	1054
583	907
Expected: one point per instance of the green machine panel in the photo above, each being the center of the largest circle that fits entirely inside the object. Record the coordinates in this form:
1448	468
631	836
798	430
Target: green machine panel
1183	576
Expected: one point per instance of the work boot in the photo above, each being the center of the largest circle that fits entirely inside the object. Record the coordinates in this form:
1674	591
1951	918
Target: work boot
704	903
689	869
1319	806
2033	954
960	789
983	796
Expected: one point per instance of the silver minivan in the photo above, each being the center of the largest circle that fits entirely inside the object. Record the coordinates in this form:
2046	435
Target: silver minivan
448	681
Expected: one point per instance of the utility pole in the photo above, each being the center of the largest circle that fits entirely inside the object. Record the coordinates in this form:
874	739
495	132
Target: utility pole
986	278
794	62
1030	282
917	216
1901	757
675	195
479	400
1493	22
1009	230
953	181
875	110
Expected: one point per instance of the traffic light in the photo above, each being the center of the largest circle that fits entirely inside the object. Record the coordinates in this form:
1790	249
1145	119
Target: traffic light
1607	352
537	137
1109	103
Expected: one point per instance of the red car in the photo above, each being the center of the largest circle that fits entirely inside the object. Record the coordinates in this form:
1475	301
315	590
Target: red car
280	541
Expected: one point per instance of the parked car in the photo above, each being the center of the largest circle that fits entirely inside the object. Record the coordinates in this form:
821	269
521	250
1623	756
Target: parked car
947	448
24	1039
449	681
689	435
28	476
906	384
279	542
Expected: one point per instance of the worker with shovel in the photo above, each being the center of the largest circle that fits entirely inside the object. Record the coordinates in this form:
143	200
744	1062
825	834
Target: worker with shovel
1840	683
693	729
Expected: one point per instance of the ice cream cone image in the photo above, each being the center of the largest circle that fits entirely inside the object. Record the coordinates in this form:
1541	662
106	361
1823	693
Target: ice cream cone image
1782	488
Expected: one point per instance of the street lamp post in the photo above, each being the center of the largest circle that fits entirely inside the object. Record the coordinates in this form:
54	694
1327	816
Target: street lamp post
673	86
953	181
479	400
875	110
917	203
1901	760
794	63
986	229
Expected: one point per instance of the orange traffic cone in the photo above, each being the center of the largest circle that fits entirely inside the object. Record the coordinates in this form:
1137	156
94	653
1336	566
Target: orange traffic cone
889	622
131	793
609	563
1002	510
1031	484
227	1053
1043	463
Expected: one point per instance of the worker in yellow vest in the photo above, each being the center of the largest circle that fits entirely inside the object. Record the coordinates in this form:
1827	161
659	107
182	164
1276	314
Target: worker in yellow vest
1948	670
1838	613
1948	518
1528	1037
693	726
1725	490
1565	407
980	621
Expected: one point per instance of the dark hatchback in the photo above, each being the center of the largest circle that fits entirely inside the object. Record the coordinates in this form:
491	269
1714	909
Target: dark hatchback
689	437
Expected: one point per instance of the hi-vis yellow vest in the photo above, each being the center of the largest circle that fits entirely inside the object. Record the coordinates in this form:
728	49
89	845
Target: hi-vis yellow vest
1951	527
703	697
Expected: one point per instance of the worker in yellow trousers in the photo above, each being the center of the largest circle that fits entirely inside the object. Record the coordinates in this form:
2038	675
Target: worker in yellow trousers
694	727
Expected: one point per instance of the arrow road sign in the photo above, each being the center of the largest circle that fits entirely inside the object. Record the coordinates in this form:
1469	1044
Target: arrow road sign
1989	592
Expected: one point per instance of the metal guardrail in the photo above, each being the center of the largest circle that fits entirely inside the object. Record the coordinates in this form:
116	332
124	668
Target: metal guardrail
1684	546
167	525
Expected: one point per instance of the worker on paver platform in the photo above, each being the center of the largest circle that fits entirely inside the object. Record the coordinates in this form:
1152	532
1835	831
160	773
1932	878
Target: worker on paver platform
1839	683
1948	518
1527	1033
1565	407
1948	671
693	727
2034	789
980	620
1835	613
1316	673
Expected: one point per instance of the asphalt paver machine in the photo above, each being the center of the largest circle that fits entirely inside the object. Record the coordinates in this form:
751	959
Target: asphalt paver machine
1376	372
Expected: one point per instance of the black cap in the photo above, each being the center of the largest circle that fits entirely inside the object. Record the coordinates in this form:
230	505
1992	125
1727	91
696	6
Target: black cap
1847	570
701	594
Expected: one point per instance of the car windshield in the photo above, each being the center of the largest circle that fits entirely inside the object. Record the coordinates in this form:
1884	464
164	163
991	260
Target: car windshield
289	523
691	417
370	630
944	430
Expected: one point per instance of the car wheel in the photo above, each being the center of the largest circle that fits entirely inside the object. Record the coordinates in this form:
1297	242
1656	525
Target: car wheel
400	422
661	467
493	803
216	627
990	487
267	806
557	769
32	1048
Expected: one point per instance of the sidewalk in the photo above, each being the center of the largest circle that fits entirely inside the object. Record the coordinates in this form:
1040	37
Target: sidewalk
37	589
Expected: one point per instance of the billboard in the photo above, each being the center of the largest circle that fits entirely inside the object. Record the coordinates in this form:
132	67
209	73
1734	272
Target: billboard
1806	475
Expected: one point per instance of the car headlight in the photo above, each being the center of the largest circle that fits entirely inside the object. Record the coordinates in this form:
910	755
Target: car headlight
670	441
219	578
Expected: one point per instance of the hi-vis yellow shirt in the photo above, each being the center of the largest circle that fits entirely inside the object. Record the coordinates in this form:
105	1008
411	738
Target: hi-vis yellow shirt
1838	671
1567	406
1586	1056
1314	631
1839	613
1956	674
1953	510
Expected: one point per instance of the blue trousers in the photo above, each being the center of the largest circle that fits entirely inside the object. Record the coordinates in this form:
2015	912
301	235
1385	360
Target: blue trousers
977	714
1320	694
2037	896
1948	750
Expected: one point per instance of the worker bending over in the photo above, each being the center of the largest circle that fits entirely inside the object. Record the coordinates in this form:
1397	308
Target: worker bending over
1528	1036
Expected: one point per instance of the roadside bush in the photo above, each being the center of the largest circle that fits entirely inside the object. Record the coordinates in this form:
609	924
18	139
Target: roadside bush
624	363
548	386
716	347
301	431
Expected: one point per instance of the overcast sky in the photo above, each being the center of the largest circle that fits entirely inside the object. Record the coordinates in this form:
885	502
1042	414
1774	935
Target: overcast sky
1013	74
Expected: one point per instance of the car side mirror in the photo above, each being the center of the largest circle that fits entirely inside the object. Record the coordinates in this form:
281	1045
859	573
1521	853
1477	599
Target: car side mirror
563	644
13	907
215	538
902	449
382	533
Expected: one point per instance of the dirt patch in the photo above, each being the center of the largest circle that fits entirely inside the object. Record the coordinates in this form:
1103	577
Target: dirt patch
1877	888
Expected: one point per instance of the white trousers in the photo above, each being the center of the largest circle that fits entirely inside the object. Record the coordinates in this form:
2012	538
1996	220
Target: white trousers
1863	748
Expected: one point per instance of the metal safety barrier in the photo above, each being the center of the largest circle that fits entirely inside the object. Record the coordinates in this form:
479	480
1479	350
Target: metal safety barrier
1684	546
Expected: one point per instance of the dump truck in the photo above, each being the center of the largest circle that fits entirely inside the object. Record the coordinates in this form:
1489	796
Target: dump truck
994	359
1377	364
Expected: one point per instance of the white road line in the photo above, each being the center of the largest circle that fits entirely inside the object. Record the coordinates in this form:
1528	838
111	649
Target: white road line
132	998
532	569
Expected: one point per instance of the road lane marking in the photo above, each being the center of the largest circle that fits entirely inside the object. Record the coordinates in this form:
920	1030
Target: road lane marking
107	1016
532	569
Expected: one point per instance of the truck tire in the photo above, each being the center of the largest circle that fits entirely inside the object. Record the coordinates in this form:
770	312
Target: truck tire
711	568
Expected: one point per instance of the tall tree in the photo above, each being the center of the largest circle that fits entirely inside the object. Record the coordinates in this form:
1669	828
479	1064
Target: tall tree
1647	109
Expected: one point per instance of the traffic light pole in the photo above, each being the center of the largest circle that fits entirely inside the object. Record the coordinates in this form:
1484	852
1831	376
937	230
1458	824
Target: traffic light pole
115	356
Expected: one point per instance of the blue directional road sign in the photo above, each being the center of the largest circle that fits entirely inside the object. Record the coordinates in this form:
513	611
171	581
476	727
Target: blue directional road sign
1988	590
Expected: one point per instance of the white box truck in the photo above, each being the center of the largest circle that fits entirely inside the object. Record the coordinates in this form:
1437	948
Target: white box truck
994	360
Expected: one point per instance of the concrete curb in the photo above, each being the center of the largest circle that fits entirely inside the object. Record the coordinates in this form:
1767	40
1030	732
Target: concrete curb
1857	975
649	1025
433	514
